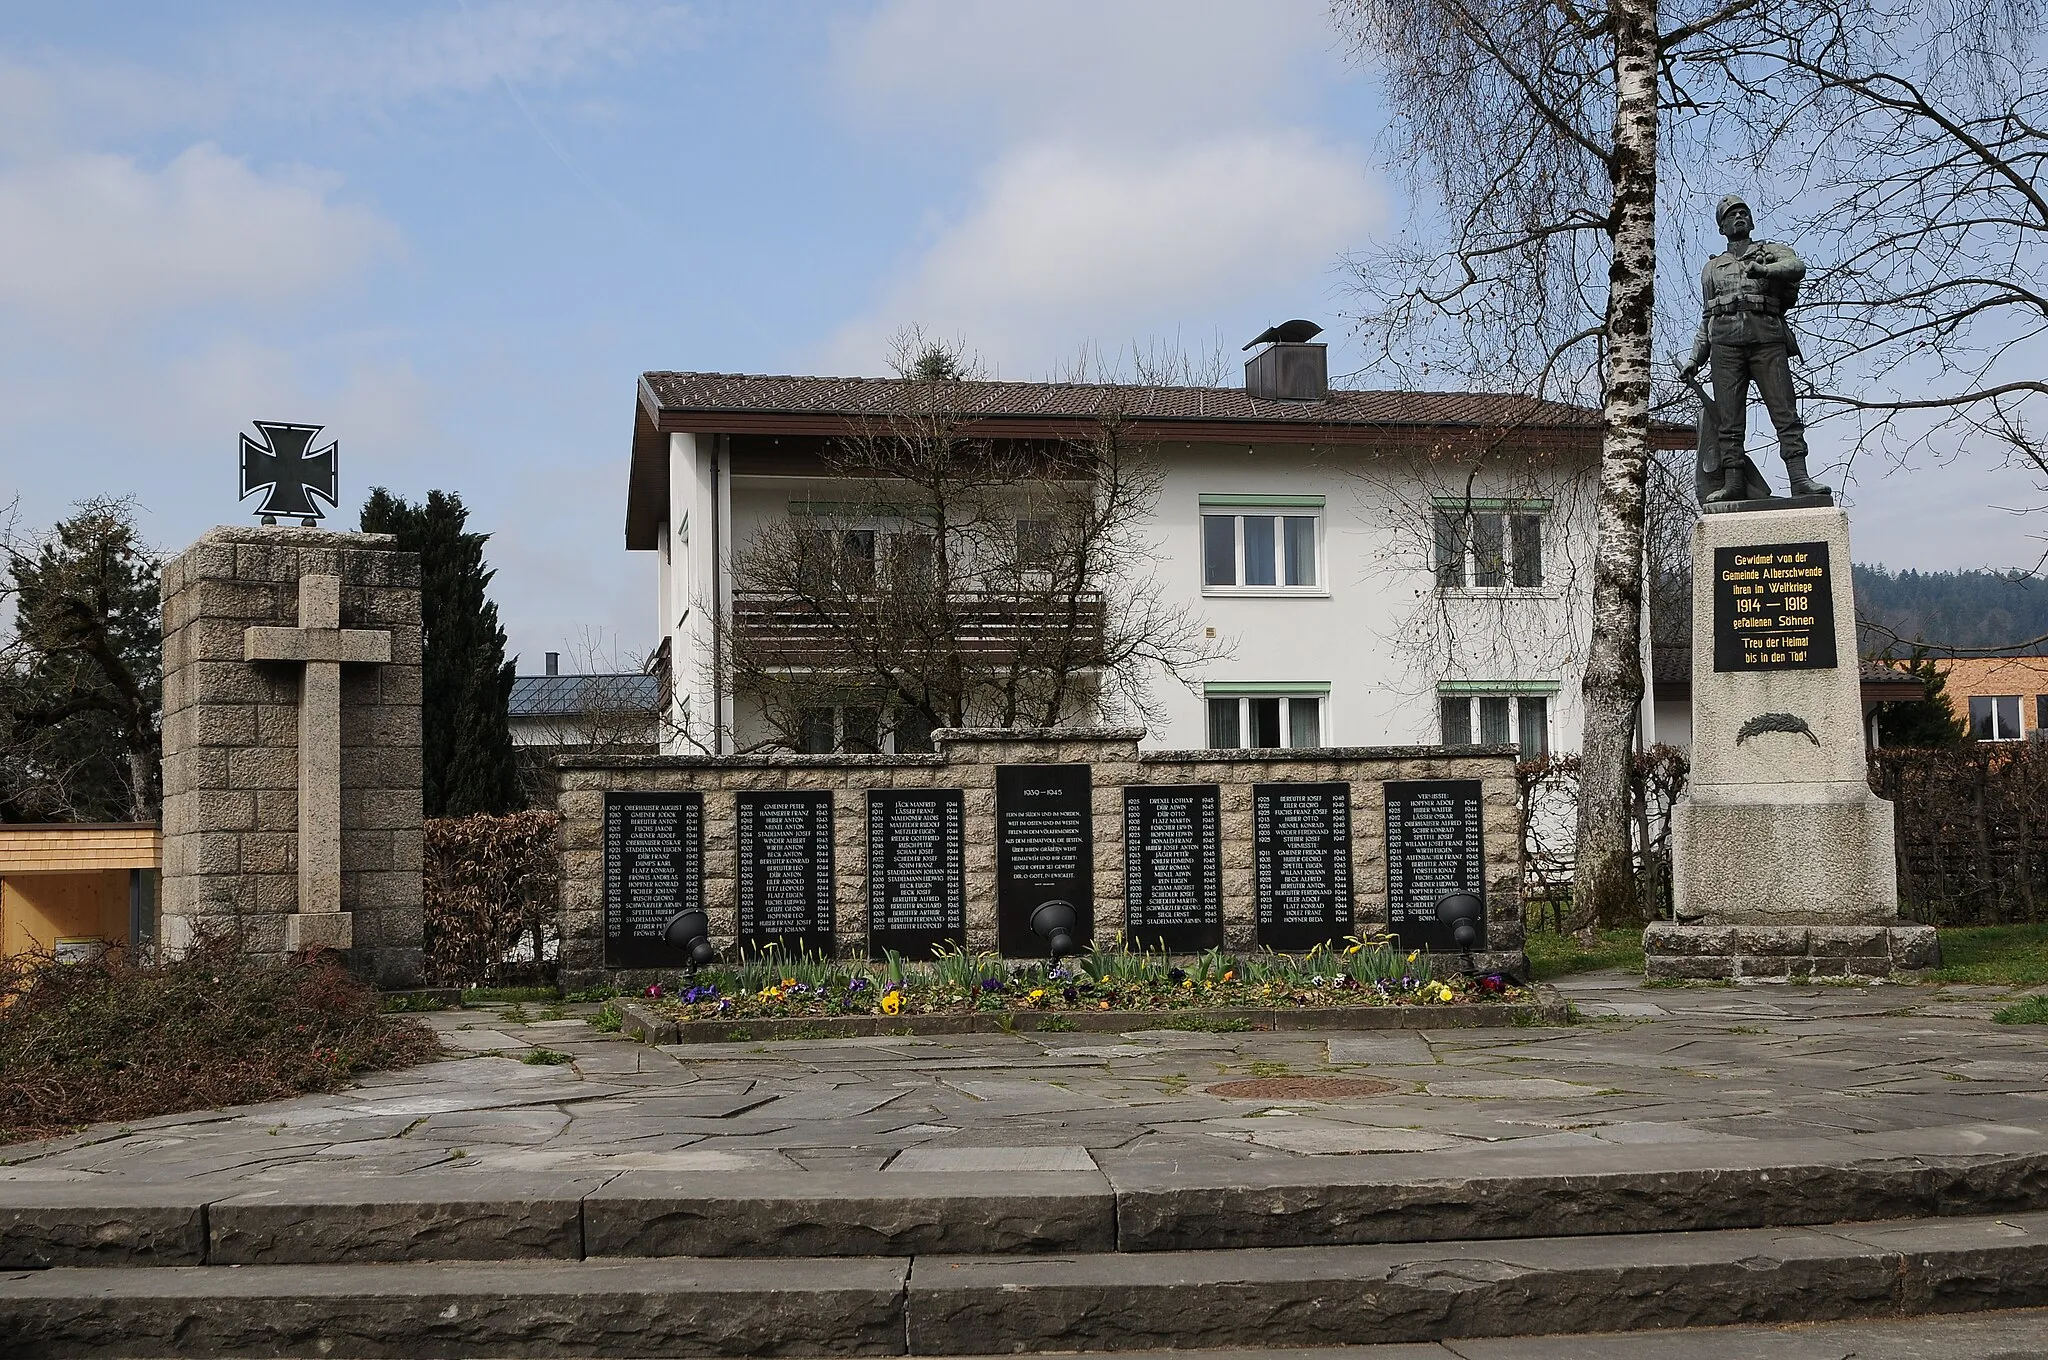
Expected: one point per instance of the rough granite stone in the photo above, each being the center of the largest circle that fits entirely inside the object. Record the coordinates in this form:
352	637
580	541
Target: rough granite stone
763	1214
265	629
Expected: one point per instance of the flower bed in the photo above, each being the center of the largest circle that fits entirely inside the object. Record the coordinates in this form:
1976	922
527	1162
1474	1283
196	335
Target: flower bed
797	987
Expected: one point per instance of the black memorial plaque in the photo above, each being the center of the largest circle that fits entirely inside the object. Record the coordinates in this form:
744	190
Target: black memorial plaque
785	887
917	871
653	868
1774	608
1045	852
1173	867
1301	864
1434	848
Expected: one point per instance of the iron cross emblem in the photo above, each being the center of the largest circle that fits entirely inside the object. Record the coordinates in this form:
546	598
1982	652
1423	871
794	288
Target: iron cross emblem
293	475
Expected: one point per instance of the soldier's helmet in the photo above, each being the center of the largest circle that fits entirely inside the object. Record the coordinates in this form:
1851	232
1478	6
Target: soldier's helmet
1728	205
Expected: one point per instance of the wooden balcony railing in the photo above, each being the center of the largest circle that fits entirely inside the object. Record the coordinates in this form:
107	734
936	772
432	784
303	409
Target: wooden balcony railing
985	628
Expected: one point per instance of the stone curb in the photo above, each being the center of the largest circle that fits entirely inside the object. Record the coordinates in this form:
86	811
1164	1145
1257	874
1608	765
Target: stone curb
1130	1207
940	1305
643	1023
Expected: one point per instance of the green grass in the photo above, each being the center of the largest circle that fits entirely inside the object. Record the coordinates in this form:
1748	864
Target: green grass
2032	1011
2013	956
545	1057
1552	955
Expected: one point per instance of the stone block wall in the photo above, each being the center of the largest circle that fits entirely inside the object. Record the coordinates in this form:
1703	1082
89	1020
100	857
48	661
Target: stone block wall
967	760
231	733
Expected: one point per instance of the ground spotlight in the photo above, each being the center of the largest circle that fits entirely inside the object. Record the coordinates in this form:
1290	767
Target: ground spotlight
690	931
1463	913
1055	922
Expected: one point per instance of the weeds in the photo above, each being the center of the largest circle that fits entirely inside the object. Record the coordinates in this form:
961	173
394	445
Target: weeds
2031	1011
545	1057
610	1018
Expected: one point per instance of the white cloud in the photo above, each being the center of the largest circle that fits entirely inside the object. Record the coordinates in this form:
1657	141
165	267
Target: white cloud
465	49
1067	244
93	239
1127	69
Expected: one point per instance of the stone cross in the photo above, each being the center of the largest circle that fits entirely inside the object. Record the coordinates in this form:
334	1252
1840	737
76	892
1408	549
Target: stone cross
320	645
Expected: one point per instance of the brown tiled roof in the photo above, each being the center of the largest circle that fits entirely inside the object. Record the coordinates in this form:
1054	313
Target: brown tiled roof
748	404
880	398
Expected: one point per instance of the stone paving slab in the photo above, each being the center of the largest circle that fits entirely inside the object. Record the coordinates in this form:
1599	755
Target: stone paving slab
963	1305
1738	1078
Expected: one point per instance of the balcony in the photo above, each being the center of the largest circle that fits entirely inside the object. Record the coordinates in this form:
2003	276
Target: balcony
986	629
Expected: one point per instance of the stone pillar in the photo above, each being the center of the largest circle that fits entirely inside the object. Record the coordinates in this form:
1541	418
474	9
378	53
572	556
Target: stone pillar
1783	861
232	758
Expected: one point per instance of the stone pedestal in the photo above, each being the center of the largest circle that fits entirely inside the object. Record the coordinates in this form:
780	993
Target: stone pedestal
1783	863
292	745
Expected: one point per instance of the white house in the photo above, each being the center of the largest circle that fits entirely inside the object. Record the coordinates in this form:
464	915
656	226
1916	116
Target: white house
1378	568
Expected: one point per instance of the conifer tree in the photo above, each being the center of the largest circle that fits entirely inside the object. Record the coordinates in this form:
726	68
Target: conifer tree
467	682
81	671
1927	721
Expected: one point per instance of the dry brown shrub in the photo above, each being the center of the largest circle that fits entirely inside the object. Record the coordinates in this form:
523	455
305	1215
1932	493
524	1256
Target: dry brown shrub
83	1043
490	885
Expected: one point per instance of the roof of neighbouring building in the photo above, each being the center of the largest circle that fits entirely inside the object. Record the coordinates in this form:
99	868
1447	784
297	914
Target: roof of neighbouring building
566	696
49	847
1881	682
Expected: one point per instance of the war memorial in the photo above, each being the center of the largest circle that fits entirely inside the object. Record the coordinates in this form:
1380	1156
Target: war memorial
1821	1170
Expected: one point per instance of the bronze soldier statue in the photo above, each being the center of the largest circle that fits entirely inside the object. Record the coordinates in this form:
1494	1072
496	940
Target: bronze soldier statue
1746	291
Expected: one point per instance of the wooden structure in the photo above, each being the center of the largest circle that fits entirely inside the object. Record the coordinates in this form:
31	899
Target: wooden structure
75	888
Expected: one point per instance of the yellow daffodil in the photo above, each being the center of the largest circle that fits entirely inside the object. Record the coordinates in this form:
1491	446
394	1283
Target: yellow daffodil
1413	954
892	1002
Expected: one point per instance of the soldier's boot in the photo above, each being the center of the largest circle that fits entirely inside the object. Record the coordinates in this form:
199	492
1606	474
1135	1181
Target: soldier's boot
1734	484
1803	485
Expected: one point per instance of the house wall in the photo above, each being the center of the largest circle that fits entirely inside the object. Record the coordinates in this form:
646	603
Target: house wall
39	909
1376	631
2024	676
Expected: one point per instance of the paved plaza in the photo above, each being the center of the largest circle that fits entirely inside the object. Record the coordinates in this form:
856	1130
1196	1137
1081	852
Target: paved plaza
1909	1069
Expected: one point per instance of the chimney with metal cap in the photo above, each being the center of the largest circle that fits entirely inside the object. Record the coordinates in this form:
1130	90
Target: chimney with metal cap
1289	368
554	663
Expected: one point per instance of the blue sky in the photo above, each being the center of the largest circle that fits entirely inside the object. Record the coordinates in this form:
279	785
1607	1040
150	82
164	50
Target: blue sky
454	233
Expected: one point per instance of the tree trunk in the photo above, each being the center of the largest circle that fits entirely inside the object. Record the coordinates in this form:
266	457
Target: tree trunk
1603	887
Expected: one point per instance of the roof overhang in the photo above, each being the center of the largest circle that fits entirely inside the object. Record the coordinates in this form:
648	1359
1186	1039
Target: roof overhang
647	485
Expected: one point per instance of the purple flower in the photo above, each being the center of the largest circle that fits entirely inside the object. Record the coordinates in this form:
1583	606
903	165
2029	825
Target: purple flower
991	984
859	984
